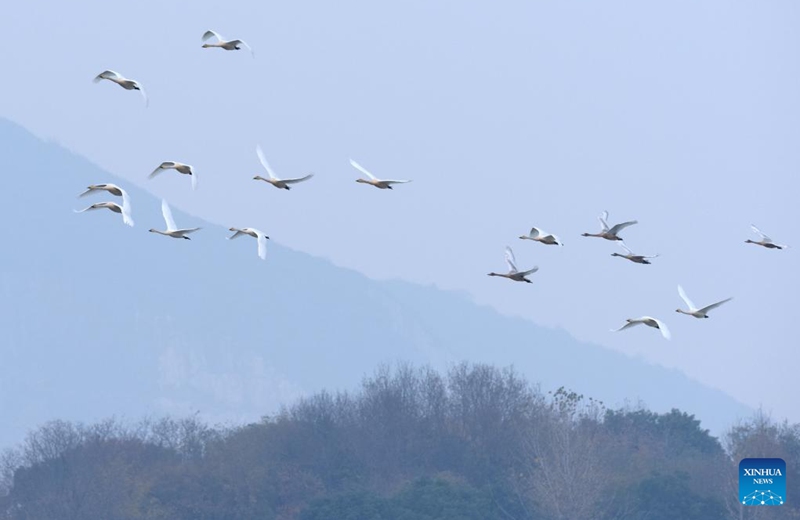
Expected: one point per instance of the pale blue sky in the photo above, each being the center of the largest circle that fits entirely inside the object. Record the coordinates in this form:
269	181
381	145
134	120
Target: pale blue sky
680	114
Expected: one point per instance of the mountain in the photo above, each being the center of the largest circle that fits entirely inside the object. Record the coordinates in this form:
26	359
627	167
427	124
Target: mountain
100	319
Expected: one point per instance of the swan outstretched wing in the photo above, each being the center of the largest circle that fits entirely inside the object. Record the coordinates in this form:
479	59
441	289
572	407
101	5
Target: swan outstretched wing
194	179
242	42
126	208
168	216
663	328
619	227
686	299
764	237
237	233
530	271
262	245
300	179
623	246
603	218
212	34
362	170
264	163
511	261
535	232
164	165
144	94
627	326
107	74
707	308
395	182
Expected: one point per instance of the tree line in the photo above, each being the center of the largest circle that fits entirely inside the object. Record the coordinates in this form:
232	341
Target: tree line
477	442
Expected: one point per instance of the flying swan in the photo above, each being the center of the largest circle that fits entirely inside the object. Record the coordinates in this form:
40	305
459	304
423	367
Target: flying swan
384	185
172	229
278	183
646	320
693	310
228	45
127	84
514	273
609	233
258	235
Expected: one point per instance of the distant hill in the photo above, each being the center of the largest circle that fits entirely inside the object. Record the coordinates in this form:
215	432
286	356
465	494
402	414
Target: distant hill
100	319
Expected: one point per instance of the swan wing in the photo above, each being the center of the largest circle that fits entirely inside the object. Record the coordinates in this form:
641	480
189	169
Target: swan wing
264	163
262	245
764	237
187	231
301	179
530	271
168	216
686	299
628	325
242	42
107	74
535	232
237	233
162	166
603	218
707	308
623	246
510	260
362	170
663	328
194	179
144	94
395	182
619	227
211	34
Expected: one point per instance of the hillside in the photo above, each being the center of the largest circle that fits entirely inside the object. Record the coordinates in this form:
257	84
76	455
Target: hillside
97	318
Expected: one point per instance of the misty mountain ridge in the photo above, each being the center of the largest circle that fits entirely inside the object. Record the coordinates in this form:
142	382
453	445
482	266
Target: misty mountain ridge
114	320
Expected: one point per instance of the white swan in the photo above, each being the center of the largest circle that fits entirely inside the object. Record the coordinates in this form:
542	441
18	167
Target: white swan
258	235
514	273
639	259
228	45
765	240
172	229
384	185
693	310
609	233
127	84
539	235
124	210
646	320
278	183
185	169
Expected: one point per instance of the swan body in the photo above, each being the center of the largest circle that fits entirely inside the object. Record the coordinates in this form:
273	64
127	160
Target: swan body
172	230
693	310
543	237
639	259
646	320
378	183
222	43
113	206
765	240
278	183
127	84
514	273
258	235
185	169
609	233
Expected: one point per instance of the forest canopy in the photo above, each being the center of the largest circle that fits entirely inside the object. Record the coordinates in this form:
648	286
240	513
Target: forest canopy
477	442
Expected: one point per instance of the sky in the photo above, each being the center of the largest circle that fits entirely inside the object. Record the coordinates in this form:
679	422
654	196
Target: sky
681	115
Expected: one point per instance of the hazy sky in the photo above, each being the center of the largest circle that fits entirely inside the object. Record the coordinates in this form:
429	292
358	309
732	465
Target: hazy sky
683	115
